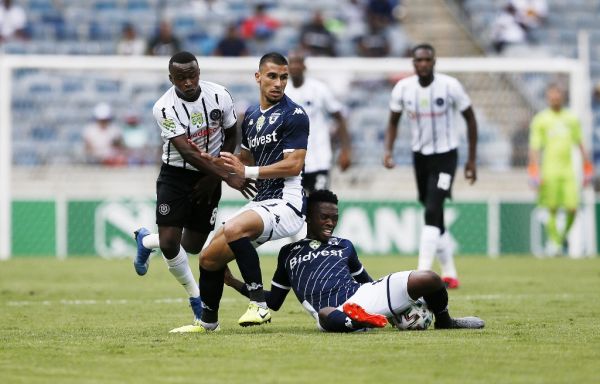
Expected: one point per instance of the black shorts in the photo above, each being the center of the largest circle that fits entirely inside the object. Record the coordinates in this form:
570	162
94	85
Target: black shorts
174	204
435	173
315	180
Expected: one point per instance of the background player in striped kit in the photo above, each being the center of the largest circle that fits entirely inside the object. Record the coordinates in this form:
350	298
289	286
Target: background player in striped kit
321	105
188	188
274	141
430	101
331	283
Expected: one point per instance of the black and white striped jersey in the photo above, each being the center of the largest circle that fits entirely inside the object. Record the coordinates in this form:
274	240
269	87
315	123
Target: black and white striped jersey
204	120
320	273
431	111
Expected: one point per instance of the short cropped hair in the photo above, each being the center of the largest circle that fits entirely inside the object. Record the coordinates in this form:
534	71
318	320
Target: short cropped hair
182	57
321	196
272	57
423	46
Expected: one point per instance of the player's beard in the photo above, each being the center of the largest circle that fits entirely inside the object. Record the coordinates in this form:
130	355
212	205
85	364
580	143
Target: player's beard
274	101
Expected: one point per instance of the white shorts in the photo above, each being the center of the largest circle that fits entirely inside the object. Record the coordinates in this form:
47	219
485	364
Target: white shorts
387	296
280	219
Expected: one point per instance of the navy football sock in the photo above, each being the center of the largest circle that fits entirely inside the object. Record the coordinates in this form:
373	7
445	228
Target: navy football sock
211	290
337	321
437	302
247	260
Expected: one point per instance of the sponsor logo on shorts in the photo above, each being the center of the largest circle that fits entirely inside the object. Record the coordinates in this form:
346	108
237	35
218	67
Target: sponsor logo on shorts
164	209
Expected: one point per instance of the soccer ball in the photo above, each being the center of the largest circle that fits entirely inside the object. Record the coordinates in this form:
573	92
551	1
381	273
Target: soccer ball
415	317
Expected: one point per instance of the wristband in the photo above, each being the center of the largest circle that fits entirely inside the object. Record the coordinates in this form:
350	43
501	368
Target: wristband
251	172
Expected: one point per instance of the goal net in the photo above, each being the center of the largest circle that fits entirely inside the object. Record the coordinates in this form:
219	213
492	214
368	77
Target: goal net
54	201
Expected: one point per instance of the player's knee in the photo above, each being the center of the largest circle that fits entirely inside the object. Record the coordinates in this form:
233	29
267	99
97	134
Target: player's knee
432	215
169	247
209	261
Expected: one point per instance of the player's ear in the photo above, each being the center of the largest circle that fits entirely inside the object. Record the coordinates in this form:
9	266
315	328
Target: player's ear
171	79
257	77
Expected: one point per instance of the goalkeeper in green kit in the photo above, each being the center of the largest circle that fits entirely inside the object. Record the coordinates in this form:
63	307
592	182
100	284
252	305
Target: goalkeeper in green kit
553	134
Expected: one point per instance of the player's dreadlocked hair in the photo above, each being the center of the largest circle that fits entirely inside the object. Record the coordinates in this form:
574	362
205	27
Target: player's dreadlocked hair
426	46
272	57
183	57
321	196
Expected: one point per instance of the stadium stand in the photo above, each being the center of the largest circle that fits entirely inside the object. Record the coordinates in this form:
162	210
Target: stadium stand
94	27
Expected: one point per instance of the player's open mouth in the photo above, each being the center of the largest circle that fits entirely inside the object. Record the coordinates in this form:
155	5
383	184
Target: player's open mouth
327	232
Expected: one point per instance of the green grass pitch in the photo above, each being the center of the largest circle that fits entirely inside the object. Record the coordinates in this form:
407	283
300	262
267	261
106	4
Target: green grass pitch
95	321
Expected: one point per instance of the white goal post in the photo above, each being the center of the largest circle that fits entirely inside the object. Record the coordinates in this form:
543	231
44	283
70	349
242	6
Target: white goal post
575	69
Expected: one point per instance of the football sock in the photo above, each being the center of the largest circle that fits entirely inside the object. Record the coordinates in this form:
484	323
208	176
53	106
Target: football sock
428	246
570	219
151	241
180	269
337	321
211	291
445	254
552	230
437	302
246	258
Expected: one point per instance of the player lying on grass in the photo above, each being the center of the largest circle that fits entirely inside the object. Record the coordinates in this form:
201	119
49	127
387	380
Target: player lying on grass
331	283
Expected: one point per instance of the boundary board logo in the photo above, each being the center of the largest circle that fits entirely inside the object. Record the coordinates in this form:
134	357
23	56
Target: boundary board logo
164	209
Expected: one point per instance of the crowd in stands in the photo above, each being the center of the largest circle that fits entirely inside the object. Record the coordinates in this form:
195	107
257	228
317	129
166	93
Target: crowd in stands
208	27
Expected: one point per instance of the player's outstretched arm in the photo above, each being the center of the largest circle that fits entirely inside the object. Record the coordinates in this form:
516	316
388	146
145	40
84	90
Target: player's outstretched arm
291	165
345	157
471	164
390	137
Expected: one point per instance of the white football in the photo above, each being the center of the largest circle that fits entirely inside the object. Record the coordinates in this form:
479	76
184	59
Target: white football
415	317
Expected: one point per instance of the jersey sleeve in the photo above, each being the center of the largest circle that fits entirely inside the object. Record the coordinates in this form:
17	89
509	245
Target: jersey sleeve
331	103
244	143
535	133
167	122
280	277
229	116
296	133
396	103
355	266
460	97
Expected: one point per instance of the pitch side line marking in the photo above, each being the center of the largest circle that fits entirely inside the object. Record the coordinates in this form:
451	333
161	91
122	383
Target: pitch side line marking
23	303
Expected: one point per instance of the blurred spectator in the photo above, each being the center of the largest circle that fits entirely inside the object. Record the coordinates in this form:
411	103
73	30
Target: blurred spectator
130	43
207	9
164	43
259	26
231	44
316	39
374	42
381	11
103	140
530	13
506	30
137	141
13	21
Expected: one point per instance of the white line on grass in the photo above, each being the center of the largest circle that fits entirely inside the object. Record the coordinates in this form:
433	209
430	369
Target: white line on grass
23	303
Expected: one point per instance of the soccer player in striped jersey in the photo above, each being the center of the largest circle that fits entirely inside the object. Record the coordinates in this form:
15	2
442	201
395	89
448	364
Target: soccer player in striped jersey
320	104
188	188
429	101
331	283
274	141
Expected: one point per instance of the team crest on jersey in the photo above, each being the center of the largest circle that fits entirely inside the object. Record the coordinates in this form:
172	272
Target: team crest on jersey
260	122
439	101
215	114
169	125
314	244
273	118
197	118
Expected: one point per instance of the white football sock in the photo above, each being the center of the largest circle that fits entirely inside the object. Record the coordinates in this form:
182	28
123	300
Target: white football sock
445	254
430	236
180	268
151	241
